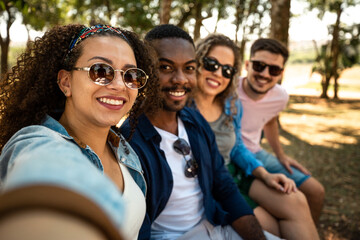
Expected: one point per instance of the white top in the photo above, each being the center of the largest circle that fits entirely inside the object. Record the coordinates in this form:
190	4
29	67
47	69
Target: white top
185	207
135	206
257	113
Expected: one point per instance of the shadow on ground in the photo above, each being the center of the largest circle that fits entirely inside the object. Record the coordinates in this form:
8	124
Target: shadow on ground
338	169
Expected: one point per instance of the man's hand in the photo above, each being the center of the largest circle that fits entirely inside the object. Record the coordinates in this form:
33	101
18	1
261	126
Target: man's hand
280	182
248	228
288	162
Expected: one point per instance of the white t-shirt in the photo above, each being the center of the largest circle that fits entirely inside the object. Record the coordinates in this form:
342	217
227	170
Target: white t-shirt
257	113
135	205
185	208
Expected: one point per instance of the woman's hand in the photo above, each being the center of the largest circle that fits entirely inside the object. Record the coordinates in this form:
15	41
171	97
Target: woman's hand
275	180
280	182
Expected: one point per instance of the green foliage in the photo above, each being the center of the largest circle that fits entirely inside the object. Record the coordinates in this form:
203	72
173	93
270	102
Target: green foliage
38	14
342	51
330	5
139	15
349	44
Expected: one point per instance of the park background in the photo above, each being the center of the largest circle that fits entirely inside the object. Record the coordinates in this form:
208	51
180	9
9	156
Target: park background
321	125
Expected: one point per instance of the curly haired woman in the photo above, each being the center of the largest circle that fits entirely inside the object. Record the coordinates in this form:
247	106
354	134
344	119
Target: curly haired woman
279	207
62	156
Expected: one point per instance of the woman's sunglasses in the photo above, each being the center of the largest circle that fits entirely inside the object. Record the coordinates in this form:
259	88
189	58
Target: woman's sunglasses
103	74
260	66
191	167
213	65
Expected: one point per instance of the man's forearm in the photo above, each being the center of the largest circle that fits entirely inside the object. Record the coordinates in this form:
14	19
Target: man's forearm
248	228
271	131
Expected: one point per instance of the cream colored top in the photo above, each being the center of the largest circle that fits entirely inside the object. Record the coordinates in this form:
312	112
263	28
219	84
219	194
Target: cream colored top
135	206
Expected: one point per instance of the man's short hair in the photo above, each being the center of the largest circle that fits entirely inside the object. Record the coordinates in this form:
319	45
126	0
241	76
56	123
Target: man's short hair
271	45
168	31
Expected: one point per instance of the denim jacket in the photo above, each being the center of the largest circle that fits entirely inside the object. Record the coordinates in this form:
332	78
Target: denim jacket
47	154
240	155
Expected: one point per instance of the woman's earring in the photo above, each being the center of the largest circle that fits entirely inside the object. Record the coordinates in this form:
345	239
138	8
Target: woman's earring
65	91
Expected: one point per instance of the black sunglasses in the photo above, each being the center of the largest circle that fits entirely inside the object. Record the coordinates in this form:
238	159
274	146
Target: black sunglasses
259	66
213	65
103	74
191	167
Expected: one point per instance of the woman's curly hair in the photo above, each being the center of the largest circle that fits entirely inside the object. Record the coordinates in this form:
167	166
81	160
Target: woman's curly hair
30	91
203	47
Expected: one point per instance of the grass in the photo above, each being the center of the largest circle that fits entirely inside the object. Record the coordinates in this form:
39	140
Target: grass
325	137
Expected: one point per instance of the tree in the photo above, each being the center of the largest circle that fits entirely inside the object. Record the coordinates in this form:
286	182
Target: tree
165	8
327	63
248	20
139	15
348	55
280	20
187	10
35	14
8	11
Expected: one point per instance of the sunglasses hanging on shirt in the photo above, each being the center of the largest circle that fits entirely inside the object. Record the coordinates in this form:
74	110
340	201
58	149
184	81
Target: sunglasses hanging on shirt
103	74
259	66
213	65
191	167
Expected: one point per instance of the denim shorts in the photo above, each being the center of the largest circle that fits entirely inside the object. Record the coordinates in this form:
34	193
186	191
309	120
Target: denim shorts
272	165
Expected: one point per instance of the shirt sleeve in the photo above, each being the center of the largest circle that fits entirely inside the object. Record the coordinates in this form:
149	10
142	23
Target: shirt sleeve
240	155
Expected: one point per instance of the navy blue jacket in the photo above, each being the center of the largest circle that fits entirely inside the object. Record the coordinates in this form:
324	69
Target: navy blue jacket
222	201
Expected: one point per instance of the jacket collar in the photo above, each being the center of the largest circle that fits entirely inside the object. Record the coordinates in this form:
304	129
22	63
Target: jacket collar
51	123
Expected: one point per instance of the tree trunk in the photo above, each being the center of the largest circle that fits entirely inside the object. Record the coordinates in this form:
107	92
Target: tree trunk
165	9
242	53
5	42
198	20
280	20
335	47
239	16
184	17
325	85
4	57
336	87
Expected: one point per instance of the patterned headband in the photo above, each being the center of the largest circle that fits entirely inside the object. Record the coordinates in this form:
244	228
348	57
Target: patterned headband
88	31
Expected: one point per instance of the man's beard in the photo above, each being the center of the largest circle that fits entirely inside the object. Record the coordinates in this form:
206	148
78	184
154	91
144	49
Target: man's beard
255	90
175	105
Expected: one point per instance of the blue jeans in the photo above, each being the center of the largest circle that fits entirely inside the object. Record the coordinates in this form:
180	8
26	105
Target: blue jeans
273	165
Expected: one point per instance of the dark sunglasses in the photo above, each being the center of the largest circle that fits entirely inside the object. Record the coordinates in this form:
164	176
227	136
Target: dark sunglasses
103	74
191	167
260	66
213	65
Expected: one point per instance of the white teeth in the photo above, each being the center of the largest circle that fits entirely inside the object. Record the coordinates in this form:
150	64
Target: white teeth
177	94
214	83
263	81
111	101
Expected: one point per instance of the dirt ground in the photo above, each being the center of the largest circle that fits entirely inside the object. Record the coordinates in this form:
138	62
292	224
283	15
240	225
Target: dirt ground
324	135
